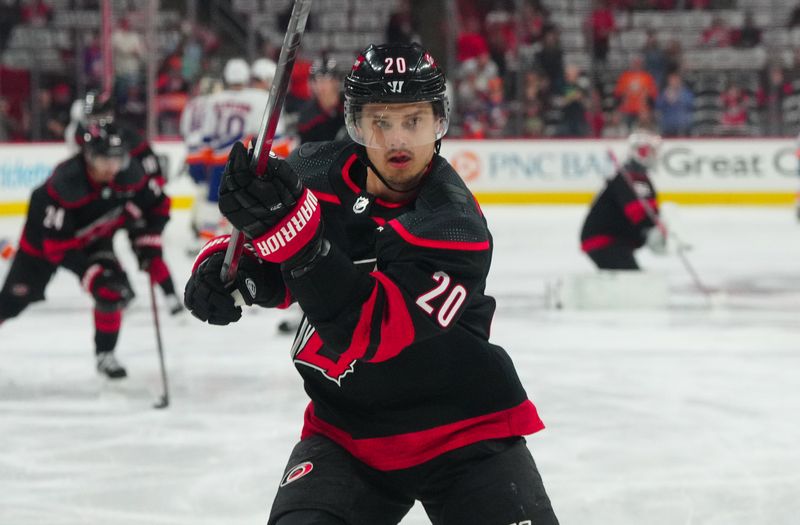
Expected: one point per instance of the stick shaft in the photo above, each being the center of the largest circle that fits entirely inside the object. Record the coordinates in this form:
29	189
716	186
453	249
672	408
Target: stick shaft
269	122
157	324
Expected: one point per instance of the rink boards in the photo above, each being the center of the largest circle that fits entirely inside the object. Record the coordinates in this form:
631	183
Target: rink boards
541	171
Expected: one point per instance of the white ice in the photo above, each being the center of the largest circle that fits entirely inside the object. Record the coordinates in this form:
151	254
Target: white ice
686	415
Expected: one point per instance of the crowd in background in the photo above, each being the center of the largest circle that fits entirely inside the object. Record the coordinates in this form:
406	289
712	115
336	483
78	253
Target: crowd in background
512	77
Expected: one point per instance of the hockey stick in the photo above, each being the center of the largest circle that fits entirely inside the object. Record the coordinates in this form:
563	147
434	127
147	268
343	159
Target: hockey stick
653	216
163	401
277	94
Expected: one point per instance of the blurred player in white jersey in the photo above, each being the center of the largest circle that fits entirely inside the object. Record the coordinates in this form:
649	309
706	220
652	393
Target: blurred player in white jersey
196	133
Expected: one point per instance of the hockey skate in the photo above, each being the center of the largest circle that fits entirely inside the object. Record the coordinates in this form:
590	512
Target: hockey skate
108	365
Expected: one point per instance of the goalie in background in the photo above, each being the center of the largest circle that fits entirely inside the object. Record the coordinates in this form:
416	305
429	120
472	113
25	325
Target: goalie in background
621	218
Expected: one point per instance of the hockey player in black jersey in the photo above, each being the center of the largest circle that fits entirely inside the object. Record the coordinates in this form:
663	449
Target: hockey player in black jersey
619	221
71	220
387	252
98	108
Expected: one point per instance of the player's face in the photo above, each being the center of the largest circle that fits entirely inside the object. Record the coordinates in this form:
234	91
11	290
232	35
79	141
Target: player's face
400	140
102	170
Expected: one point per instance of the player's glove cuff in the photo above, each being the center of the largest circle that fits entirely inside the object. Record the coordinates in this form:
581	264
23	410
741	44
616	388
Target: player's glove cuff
292	233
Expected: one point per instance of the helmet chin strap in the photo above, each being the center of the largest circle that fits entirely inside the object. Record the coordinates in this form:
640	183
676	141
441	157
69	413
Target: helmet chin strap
361	151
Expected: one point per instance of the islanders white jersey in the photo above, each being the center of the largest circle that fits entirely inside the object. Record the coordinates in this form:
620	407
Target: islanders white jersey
236	116
195	125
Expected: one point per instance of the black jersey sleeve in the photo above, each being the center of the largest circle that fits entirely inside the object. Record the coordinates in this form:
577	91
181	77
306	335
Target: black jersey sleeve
430	268
629	195
149	208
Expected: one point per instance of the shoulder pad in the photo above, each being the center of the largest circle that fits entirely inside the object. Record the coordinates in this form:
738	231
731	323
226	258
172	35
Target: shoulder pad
134	142
313	160
445	209
69	184
132	178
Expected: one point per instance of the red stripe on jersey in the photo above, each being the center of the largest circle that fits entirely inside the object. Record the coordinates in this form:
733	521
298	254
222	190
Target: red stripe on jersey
596	242
158	270
55	249
407	450
162	208
287	300
379	221
327	197
431	243
138	149
306	126
635	211
346	174
27	247
77	204
397	330
107	321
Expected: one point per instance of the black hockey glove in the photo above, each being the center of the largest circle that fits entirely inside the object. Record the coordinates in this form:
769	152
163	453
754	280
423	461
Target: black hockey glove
255	205
107	282
208	299
147	248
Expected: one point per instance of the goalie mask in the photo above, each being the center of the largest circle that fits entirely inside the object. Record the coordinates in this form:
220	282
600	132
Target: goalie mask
395	98
643	148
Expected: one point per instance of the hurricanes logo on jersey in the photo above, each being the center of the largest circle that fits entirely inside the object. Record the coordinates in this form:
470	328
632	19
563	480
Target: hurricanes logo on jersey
297	472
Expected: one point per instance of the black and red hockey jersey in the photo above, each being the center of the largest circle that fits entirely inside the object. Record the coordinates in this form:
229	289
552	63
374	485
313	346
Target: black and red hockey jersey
395	350
617	215
70	212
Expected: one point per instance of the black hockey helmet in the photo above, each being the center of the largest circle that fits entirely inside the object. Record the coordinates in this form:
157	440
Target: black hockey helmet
395	74
103	139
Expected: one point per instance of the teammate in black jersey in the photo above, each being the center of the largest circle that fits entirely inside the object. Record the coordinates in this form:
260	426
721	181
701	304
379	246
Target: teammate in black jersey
71	220
387	252
99	108
619	220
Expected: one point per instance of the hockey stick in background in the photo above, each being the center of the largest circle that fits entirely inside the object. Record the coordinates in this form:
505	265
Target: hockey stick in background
277	94
163	401
653	216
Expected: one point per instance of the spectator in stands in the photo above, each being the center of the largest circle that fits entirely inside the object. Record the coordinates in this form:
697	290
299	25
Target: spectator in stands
595	116
735	104
674	107
794	17
601	26
772	91
550	59
535	22
635	91
36	13
655	59
7	124
401	28
535	103
322	117
471	42
56	104
10	16
748	35
673	55
573	103
129	52
92	61
501	36
497	110
718	34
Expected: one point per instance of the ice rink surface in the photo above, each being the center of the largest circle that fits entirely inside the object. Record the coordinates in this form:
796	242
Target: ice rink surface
683	415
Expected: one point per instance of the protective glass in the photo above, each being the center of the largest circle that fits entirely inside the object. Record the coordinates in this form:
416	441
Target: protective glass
109	164
396	126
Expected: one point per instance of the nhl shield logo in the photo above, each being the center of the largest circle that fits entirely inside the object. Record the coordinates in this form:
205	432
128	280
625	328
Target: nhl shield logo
297	472
361	204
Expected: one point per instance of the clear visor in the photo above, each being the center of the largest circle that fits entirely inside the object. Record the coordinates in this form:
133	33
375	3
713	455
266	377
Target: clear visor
396	126
109	163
